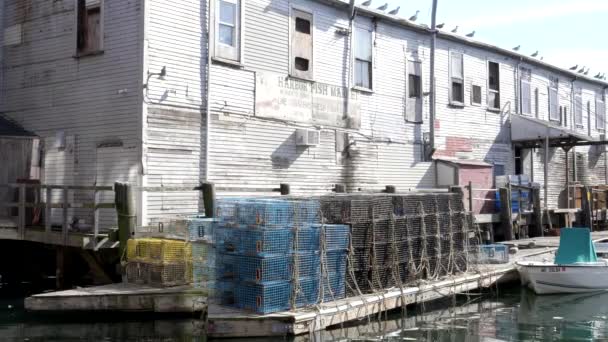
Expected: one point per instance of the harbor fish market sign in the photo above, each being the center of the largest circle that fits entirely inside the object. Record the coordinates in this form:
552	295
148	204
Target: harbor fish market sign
281	97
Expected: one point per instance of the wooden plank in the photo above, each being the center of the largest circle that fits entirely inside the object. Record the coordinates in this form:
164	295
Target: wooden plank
21	220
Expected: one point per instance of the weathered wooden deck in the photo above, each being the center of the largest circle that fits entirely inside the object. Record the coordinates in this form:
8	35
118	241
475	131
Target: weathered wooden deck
121	297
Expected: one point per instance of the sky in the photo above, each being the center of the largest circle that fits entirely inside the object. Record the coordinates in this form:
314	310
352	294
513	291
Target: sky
565	32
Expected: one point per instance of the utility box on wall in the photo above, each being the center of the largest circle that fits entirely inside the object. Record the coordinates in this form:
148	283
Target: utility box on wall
308	137
459	172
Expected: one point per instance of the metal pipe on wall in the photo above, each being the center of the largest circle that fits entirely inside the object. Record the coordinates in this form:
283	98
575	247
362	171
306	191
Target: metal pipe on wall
208	92
432	82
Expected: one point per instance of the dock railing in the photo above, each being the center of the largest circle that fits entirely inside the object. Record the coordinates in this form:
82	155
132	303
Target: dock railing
48	204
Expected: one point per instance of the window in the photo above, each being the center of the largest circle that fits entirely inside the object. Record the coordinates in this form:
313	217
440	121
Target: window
565	117
456	79
476	95
600	113
578	107
414	87
228	30
301	44
554	110
493	85
498	170
89	29
525	91
363	58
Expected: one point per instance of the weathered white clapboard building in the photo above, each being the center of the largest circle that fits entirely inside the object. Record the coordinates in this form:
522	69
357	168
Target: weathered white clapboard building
252	93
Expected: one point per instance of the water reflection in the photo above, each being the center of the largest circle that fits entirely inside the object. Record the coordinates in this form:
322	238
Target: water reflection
511	316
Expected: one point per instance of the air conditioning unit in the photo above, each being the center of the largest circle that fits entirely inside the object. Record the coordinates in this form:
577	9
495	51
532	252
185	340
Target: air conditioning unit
308	137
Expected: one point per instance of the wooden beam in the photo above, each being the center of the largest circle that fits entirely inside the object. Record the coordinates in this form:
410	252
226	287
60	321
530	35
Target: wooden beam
21	220
47	211
65	223
95	267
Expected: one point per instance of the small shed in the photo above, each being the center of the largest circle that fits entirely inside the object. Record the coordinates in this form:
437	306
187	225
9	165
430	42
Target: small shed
19	152
459	172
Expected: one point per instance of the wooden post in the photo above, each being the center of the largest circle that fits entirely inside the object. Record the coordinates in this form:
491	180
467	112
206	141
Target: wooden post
96	201
585	208
21	218
506	221
124	199
47	211
538	214
60	267
209	198
65	224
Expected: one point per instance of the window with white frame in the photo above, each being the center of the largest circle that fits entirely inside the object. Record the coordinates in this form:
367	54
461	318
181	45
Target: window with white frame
476	95
363	58
89	27
525	90
578	106
301	44
456	78
600	112
228	30
414	88
554	109
494	85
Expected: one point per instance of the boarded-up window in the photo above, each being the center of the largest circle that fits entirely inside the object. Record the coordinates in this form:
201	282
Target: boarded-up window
363	58
414	88
600	113
228	30
493	85
578	107
89	26
476	95
456	78
301	44
525	77
554	113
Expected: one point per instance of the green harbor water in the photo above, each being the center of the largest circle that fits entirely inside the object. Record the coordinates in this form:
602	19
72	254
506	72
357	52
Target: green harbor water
509	315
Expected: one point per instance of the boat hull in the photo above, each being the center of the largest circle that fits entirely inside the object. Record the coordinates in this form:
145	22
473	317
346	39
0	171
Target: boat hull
546	278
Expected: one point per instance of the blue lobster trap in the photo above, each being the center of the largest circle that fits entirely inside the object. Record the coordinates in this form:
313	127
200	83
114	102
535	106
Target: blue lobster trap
264	241
335	236
262	298
200	228
335	261
305	264
265	213
306	212
334	286
262	269
219	292
306	239
226	266
227	239
306	291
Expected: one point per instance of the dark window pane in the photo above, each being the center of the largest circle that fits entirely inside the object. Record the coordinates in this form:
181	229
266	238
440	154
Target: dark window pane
457	92
301	64
476	94
493	76
414	86
303	25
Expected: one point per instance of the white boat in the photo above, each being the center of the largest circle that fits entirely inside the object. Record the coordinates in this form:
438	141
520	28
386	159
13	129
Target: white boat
576	268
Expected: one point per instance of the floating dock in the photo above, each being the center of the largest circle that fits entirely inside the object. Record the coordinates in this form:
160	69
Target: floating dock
229	322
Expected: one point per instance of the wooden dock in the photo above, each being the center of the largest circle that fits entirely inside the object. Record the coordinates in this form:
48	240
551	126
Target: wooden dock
231	322
121	298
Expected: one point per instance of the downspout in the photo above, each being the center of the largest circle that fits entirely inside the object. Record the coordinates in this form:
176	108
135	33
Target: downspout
432	83
573	125
208	93
605	157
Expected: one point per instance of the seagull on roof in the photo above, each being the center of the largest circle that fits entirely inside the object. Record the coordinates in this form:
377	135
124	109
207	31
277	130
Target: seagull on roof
580	71
415	16
574	67
598	75
366	3
534	54
586	72
395	11
470	35
383	7
440	26
455	29
517	48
